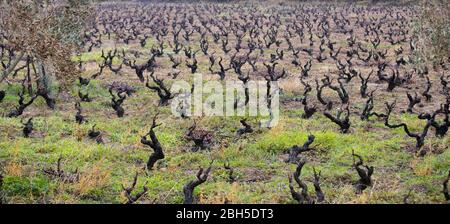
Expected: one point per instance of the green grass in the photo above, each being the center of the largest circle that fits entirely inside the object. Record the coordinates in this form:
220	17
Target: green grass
259	155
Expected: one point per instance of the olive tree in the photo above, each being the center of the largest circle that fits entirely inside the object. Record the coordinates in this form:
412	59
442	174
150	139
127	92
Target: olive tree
432	32
45	33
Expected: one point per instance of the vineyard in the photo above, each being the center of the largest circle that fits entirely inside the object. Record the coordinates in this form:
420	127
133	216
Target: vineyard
362	117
